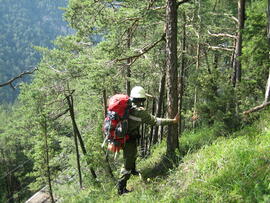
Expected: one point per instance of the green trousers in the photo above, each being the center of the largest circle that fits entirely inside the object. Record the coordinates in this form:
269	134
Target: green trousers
129	156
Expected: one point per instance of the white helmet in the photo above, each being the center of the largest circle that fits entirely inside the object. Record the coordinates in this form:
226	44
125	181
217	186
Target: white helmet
138	92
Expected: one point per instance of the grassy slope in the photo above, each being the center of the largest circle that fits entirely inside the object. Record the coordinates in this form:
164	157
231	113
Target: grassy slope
233	169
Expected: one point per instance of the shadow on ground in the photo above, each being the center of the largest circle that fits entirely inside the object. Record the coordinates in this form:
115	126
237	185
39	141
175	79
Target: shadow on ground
161	168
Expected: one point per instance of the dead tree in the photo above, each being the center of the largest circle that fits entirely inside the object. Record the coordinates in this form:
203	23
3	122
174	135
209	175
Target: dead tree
159	105
47	160
238	48
76	130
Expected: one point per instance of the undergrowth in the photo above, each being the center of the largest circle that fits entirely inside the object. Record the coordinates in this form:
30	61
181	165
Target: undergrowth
210	169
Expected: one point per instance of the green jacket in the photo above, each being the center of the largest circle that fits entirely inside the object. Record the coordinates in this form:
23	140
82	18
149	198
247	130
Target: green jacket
139	115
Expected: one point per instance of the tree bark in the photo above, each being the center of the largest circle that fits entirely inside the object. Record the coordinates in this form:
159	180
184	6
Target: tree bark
108	166
238	48
47	160
267	91
198	54
256	108
172	79
182	72
105	102
78	157
268	24
159	105
128	74
152	127
76	130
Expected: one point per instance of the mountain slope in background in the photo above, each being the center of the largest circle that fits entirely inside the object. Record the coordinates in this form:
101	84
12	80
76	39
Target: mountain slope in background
24	24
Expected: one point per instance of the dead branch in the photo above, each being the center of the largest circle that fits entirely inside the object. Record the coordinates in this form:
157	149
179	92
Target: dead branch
256	108
17	77
221	48
225	14
221	35
181	2
60	114
141	52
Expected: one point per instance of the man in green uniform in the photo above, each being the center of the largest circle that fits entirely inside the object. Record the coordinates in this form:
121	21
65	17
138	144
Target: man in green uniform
138	115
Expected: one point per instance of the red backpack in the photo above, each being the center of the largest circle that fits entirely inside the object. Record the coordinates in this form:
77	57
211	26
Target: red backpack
116	122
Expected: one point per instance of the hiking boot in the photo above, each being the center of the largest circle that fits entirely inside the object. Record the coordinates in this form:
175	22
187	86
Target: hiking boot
122	188
123	191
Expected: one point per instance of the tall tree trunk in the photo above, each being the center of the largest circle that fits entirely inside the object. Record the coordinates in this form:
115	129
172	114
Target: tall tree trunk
108	166
267	91
162	115
76	130
78	157
268	26
104	93
182	72
172	79
75	134
198	54
47	160
238	48
152	127
128	74
159	105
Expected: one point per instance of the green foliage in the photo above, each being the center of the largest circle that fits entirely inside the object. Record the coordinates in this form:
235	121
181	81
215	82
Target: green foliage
25	24
232	169
209	167
255	57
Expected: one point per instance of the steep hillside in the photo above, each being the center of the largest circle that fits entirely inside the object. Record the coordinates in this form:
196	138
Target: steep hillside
232	169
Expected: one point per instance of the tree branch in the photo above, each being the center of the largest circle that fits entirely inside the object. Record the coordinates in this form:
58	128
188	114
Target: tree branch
256	108
218	47
141	52
221	35
17	77
61	114
181	2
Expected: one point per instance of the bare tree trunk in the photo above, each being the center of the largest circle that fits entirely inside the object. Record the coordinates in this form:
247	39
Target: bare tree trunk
162	127
182	72
268	26
45	128
76	130
198	54
71	109
238	48
172	79
128	74
145	137
108	166
267	91
105	102
78	158
159	105
152	127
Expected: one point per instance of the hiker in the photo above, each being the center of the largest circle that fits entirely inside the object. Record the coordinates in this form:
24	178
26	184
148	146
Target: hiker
137	116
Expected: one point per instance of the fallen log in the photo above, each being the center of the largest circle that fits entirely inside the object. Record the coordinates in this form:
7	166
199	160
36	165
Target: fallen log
256	108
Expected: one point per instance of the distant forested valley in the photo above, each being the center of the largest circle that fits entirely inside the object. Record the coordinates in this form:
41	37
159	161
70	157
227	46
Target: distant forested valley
25	24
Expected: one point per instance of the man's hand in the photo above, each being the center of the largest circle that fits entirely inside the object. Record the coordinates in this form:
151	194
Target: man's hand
176	118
